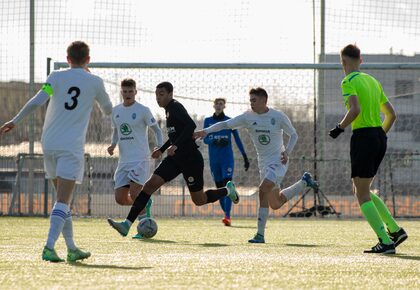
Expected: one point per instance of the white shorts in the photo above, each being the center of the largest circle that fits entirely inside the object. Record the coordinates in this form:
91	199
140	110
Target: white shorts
136	171
274	172
64	164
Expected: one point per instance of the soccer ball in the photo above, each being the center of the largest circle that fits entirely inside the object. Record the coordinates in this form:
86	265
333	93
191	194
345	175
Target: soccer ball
147	228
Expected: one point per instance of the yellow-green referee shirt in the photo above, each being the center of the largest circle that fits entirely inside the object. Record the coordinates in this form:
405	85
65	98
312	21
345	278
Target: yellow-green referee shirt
370	95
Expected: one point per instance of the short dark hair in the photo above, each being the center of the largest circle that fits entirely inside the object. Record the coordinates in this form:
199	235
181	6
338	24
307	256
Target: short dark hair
127	82
260	92
167	86
78	51
351	51
219	99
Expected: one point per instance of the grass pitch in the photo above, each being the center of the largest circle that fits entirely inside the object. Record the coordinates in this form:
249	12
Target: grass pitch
204	254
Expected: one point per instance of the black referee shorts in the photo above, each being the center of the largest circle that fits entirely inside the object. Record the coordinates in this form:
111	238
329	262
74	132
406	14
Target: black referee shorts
191	166
367	149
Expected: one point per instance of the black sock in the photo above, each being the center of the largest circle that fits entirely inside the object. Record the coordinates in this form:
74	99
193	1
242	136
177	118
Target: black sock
215	194
138	205
220	184
226	180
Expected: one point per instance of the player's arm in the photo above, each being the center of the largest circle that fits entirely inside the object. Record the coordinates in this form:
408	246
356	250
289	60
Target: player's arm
293	137
38	100
114	141
390	116
241	148
206	124
352	113
103	99
158	134
188	126
236	122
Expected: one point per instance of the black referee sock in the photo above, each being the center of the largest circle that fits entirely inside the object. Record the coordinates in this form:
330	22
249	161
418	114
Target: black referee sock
138	205
215	194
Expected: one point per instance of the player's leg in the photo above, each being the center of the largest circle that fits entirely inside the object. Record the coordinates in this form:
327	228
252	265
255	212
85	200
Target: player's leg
192	171
216	172
371	214
264	190
122	185
167	170
138	173
227	175
397	233
278	198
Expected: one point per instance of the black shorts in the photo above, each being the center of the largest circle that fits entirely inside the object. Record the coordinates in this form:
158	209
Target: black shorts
367	149
191	167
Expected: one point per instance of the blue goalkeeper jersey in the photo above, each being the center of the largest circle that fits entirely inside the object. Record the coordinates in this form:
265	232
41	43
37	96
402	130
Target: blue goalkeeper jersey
220	143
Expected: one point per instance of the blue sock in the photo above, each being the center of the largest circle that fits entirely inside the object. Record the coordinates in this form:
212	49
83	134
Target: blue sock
222	203
228	206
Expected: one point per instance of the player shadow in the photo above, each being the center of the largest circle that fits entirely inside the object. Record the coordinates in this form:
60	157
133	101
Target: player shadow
302	245
156	241
242	227
404	256
212	245
97	266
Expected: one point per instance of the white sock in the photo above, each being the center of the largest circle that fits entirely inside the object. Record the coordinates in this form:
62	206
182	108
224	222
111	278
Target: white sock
68	232
58	214
294	189
262	219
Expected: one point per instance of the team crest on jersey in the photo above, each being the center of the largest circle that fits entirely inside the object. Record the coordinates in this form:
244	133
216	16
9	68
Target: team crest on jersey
117	116
254	124
125	129
264	139
134	116
273	121
190	179
229	169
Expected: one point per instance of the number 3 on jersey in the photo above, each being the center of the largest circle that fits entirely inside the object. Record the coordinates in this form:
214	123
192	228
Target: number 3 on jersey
71	91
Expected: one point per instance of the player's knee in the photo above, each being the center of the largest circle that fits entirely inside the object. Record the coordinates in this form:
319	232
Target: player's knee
121	200
199	199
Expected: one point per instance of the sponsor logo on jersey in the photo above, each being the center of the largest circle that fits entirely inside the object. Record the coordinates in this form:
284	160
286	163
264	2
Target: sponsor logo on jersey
262	131
264	139
134	116
125	129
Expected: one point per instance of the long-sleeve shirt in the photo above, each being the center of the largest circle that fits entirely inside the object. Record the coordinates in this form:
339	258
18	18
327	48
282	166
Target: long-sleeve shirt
218	151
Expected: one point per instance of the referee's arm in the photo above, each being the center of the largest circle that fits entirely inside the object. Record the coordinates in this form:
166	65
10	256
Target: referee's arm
352	113
390	116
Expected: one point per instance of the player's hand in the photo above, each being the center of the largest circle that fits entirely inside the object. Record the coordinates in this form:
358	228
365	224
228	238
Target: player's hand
156	154
284	157
111	150
199	134
246	163
336	131
6	127
171	150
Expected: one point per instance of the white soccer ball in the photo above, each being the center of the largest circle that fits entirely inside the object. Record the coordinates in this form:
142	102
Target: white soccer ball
147	227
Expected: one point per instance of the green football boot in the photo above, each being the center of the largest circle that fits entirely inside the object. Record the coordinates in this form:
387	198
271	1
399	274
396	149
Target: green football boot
121	227
257	239
138	237
77	254
232	193
51	255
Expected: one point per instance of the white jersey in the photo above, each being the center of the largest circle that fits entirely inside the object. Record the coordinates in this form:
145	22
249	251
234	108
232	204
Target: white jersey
266	131
131	123
73	92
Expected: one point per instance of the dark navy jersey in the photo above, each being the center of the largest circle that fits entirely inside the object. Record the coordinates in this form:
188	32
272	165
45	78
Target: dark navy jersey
180	128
